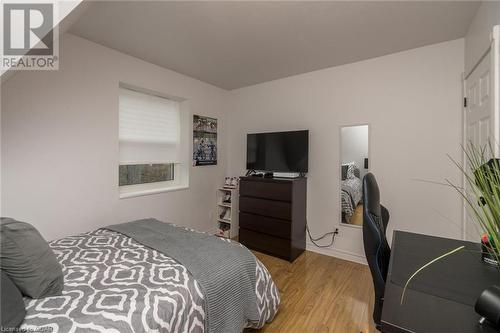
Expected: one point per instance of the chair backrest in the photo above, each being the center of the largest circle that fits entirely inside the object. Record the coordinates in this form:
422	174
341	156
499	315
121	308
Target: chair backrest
377	251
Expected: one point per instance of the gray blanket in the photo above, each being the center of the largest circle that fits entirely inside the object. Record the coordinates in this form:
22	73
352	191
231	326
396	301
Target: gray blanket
225	270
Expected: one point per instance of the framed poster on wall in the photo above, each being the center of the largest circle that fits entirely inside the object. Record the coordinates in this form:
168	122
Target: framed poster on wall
204	140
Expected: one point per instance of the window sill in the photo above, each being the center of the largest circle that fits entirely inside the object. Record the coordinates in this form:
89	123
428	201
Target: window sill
140	193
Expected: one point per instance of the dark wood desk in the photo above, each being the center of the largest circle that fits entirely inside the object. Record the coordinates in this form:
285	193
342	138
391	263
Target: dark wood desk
431	303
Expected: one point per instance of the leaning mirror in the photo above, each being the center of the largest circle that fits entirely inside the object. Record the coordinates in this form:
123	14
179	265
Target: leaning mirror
354	163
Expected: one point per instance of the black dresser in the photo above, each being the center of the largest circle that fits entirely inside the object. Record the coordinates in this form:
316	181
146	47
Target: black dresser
272	216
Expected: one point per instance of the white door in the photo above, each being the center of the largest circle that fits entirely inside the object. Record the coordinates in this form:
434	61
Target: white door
481	121
479	111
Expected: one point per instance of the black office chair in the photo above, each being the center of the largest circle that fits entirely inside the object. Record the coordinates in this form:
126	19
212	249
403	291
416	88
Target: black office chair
377	251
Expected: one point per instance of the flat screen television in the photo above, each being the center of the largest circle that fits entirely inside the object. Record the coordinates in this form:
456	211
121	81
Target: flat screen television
278	151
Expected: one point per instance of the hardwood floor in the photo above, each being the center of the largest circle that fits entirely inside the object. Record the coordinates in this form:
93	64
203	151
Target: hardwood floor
320	294
357	217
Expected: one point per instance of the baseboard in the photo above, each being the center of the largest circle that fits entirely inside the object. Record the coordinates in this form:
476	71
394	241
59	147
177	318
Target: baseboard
341	254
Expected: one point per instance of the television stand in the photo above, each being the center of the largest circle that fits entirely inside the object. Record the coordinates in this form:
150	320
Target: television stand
272	215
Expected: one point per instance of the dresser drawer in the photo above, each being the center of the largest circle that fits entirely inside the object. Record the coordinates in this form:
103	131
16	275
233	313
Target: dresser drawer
265	243
266	225
270	208
266	190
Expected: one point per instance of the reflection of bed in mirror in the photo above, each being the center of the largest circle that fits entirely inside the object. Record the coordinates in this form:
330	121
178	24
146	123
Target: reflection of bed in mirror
354	158
351	194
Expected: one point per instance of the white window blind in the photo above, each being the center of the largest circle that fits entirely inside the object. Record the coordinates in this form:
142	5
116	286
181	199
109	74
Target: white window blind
149	128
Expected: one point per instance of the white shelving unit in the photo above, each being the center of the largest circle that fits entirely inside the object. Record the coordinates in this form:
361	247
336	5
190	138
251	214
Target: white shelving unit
227	221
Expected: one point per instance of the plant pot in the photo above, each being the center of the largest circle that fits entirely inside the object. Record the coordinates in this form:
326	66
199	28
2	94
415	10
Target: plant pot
487	257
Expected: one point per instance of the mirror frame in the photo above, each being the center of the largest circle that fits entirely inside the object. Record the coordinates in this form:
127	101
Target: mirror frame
339	170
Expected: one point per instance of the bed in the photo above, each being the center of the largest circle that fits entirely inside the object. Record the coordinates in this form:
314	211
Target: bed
351	190
116	283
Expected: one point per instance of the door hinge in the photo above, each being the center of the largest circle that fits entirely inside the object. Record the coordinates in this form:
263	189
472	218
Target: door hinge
465	102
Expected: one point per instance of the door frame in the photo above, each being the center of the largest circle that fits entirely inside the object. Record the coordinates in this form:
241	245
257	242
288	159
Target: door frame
495	57
493	52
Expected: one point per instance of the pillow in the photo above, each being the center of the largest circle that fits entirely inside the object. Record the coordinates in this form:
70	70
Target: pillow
344	171
28	260
11	305
352	170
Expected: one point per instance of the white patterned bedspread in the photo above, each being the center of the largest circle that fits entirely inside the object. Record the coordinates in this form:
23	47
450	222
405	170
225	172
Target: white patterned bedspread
114	284
350	195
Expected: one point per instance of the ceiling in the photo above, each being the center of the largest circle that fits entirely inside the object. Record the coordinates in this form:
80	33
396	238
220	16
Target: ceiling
237	44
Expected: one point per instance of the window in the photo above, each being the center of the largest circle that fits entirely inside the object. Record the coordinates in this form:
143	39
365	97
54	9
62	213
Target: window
150	135
145	173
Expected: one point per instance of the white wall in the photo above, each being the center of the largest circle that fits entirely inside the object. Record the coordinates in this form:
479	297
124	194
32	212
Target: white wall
412	101
354	146
477	39
60	139
60	143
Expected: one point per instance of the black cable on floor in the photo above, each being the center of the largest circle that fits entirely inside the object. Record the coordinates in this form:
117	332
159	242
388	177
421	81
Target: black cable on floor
314	240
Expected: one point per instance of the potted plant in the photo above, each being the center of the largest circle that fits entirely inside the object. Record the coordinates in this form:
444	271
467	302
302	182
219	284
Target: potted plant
482	197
